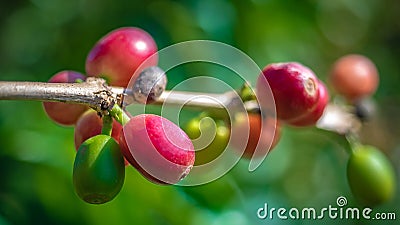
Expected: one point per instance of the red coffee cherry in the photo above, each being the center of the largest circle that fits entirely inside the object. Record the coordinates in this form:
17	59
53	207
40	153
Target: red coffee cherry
157	148
294	87
312	117
119	54
65	113
89	125
262	137
354	76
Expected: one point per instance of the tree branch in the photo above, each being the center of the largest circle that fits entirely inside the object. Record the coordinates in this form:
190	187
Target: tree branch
95	93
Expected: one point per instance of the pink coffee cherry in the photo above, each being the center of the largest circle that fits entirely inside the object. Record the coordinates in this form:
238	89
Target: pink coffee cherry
65	113
157	148
119	54
294	88
354	76
312	117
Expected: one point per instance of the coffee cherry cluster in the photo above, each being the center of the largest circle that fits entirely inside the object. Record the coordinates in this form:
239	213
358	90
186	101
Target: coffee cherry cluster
156	147
164	154
300	100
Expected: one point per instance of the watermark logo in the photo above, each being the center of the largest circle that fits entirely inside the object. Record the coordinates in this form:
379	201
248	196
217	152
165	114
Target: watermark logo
341	201
338	211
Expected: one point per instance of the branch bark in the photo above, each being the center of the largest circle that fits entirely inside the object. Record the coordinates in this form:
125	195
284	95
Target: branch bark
94	92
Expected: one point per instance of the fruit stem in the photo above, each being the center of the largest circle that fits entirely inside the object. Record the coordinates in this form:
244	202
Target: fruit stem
354	142
119	115
107	125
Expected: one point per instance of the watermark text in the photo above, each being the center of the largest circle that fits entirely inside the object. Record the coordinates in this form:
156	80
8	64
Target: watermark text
338	211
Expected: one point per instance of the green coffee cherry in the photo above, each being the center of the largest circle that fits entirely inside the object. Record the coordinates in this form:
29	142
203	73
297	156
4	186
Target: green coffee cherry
210	138
370	175
99	170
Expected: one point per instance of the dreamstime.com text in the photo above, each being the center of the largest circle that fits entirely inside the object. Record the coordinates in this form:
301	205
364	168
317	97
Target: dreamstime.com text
333	212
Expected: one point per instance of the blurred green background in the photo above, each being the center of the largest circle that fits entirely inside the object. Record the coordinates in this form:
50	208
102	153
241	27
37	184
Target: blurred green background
41	37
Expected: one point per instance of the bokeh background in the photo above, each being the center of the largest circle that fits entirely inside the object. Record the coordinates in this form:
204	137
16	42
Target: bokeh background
41	37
